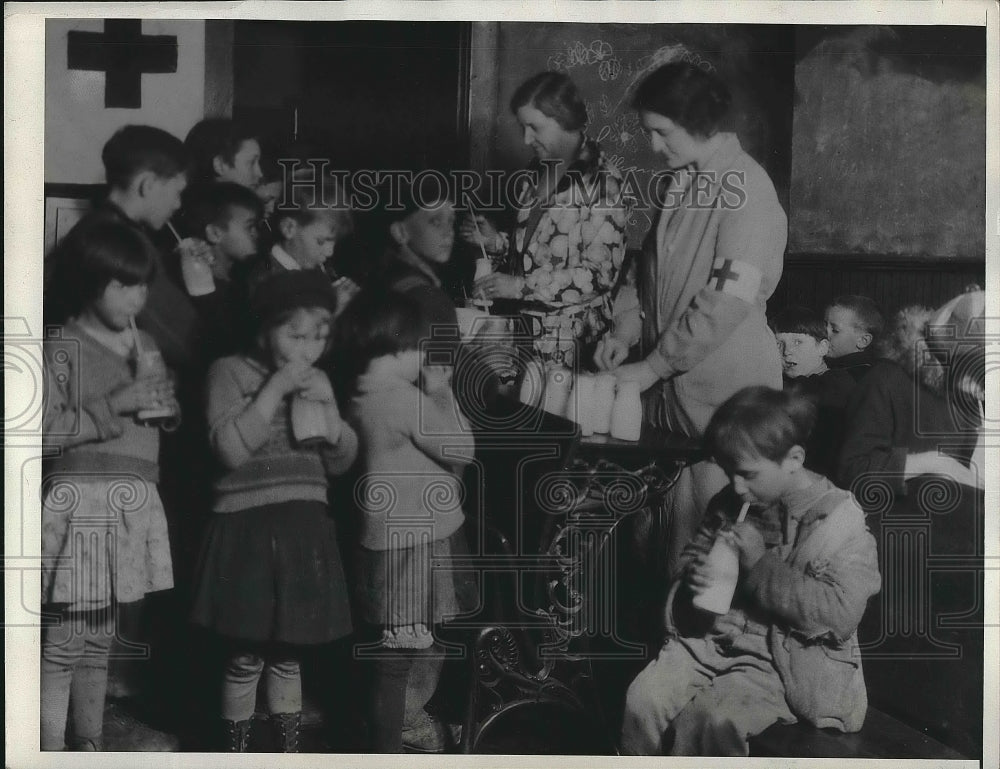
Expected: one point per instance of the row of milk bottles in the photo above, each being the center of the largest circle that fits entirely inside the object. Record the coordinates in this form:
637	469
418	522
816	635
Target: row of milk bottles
598	403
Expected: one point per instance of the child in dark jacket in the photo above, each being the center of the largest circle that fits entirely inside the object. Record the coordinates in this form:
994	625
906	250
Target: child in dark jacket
902	422
226	216
786	648
853	326
801	336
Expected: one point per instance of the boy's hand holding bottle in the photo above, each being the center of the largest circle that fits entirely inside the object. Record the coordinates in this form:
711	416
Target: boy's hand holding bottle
142	394
749	542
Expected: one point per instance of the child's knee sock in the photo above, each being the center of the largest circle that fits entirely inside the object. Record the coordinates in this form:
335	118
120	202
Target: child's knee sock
239	686
388	699
283	685
90	682
425	673
62	647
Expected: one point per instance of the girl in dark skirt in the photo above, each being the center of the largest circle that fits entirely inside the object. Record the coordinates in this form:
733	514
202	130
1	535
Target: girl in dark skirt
415	445
270	577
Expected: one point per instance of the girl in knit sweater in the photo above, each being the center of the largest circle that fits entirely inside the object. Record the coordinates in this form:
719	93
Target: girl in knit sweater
104	533
270	578
414	445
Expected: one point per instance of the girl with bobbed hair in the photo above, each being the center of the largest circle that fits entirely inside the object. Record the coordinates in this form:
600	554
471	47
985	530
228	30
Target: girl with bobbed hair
561	259
696	304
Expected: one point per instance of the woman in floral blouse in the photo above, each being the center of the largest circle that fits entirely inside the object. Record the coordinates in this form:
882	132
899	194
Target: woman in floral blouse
565	252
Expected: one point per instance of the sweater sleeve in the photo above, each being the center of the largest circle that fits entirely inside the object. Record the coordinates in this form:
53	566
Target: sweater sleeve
236	428
751	240
828	598
868	445
66	421
439	429
338	458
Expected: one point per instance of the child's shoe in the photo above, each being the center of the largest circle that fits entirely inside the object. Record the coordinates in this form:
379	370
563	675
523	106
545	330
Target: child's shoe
430	735
286	728
236	735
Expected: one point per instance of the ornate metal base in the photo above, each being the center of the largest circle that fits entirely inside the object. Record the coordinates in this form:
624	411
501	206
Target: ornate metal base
549	669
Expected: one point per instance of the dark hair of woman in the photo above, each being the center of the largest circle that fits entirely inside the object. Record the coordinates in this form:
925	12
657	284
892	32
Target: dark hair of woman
555	95
698	101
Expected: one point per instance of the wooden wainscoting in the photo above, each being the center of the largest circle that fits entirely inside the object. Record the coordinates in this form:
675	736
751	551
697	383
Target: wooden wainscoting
813	280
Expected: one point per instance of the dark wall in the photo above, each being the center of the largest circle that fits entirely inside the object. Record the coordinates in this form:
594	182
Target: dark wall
372	95
889	141
814	280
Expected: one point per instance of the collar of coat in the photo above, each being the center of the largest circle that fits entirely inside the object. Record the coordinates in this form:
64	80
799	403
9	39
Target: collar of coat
800	504
411	260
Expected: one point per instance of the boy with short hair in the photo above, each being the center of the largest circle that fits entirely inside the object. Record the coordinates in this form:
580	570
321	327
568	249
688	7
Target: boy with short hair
226	216
787	649
801	335
305	233
224	150
146	170
853	325
802	342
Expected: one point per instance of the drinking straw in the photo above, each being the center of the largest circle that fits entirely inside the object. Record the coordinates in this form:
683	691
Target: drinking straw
135	335
481	295
482	244
174	230
743	512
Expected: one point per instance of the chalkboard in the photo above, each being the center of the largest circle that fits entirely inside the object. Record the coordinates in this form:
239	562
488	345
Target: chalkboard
889	149
606	61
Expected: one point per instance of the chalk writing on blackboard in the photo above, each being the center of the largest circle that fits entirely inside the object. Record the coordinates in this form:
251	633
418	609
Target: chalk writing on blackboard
611	122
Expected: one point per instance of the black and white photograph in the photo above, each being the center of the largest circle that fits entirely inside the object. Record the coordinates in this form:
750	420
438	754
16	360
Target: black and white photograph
585	379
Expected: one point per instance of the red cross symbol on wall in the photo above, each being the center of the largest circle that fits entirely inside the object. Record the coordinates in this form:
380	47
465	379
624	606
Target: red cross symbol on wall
723	274
123	53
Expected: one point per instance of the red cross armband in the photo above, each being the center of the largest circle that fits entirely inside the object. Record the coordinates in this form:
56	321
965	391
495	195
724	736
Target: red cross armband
739	279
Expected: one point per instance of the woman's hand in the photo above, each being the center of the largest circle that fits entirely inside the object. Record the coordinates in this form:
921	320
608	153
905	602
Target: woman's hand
316	387
486	235
640	372
611	352
141	394
496	285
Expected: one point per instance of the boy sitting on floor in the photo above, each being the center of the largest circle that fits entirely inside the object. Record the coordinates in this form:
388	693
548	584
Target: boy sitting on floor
787	648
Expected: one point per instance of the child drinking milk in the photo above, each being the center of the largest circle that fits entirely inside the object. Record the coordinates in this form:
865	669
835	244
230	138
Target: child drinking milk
104	533
270	578
415	444
787	649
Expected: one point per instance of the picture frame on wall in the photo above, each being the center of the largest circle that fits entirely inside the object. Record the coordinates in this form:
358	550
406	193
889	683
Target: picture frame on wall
65	205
